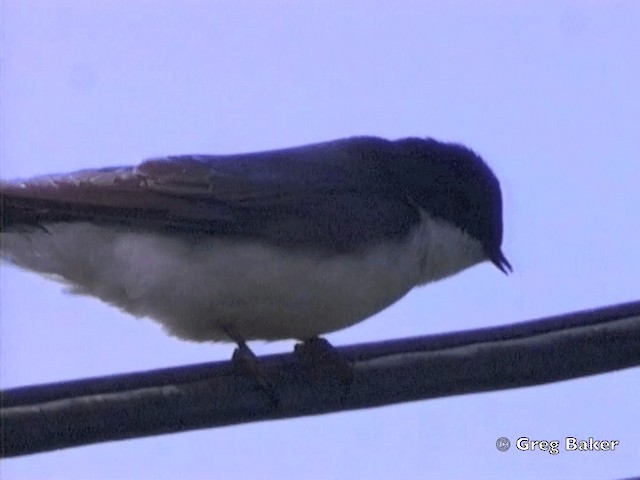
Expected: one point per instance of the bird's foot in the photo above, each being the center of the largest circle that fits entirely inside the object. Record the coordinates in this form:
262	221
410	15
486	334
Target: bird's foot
246	361
323	359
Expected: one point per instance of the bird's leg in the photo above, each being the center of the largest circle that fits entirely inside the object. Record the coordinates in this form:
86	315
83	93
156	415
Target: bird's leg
319	355
245	360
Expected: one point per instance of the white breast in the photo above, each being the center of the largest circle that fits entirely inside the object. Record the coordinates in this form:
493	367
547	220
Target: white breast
196	285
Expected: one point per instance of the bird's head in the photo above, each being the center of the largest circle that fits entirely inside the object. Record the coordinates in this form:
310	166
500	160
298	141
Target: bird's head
453	184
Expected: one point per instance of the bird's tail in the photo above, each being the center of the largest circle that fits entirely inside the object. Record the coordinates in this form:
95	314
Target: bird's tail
22	211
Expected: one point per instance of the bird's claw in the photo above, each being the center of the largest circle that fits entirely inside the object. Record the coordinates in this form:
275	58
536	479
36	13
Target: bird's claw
323	359
246	361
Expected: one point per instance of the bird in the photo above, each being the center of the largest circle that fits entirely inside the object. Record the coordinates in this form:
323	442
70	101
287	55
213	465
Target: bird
291	243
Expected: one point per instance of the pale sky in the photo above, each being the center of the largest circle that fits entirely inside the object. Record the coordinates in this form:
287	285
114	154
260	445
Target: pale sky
547	92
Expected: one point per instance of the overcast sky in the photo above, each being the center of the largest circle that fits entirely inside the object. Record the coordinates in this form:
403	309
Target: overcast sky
547	92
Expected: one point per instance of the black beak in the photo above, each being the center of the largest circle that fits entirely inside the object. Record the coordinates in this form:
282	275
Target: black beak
500	261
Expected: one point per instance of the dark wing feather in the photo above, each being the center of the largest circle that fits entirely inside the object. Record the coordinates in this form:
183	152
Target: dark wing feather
335	195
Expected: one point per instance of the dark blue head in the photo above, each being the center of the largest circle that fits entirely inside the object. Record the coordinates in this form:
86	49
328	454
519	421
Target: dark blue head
454	184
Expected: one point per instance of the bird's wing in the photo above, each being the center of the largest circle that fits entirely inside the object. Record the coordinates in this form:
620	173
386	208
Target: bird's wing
334	194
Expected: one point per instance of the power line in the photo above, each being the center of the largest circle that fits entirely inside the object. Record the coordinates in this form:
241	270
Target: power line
60	415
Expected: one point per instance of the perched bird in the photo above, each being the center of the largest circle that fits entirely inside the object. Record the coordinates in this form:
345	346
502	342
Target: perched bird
289	243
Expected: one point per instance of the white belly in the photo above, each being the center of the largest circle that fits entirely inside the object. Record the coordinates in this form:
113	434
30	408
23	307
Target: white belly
197	286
